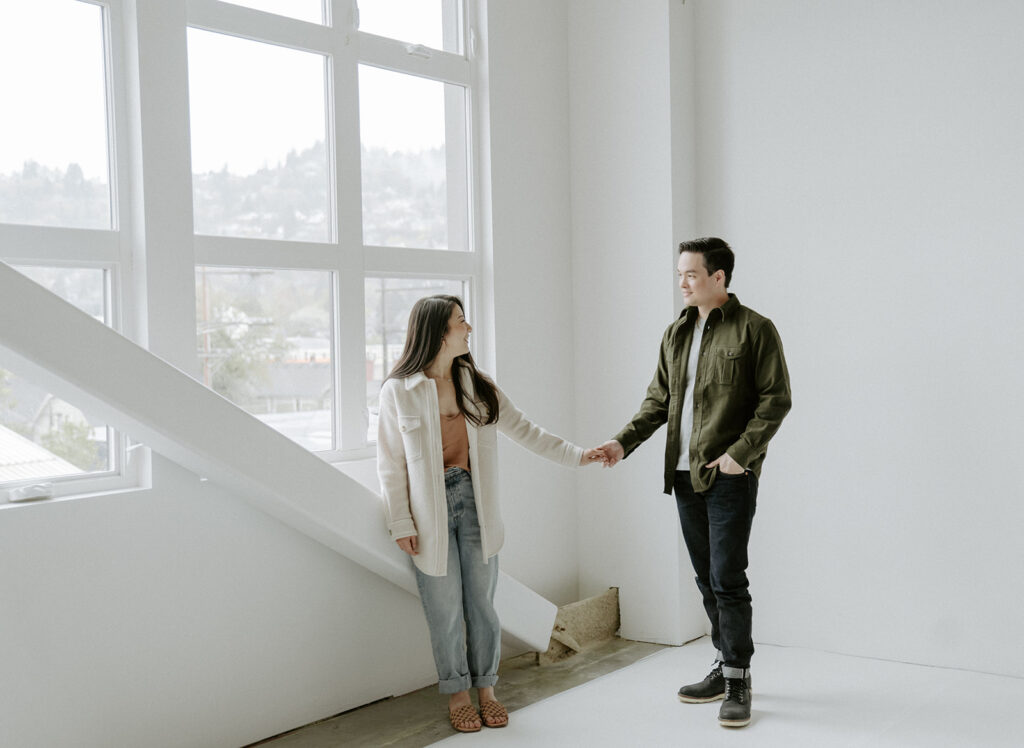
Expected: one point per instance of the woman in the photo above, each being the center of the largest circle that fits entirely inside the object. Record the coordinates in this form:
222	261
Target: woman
437	459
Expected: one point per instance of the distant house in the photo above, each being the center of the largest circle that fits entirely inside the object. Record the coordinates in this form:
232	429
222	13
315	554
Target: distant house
38	414
295	386
23	459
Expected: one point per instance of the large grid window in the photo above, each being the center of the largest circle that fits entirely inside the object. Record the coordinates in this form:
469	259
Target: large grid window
60	217
332	187
326	151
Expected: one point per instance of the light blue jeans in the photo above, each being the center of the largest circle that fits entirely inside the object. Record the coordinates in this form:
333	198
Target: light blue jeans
464	630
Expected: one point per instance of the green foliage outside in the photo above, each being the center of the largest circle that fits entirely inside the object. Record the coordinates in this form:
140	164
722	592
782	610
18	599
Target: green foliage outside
245	320
7	406
72	442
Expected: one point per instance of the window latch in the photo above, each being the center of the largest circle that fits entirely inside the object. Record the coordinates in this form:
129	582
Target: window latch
418	50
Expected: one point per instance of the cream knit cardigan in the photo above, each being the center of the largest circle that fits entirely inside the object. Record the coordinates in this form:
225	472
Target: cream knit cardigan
411	466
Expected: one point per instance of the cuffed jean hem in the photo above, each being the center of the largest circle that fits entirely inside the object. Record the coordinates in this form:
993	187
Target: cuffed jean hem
485	681
454	685
735	672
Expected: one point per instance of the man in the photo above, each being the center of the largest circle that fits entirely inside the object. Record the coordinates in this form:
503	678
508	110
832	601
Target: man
723	388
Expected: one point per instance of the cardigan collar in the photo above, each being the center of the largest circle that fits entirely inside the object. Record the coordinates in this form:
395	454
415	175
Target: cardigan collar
414	380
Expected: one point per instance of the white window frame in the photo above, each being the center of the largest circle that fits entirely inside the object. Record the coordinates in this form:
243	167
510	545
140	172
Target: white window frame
138	139
345	255
106	249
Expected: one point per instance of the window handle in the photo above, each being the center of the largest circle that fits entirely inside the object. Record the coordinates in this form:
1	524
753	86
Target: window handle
418	50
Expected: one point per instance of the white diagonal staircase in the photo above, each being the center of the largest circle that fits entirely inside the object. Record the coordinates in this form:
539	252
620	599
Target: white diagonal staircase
86	363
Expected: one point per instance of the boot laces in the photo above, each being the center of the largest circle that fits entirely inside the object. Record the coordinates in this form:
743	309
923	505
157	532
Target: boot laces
736	690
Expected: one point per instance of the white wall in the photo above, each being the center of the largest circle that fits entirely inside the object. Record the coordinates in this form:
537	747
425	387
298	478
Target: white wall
181	616
630	122
532	285
865	161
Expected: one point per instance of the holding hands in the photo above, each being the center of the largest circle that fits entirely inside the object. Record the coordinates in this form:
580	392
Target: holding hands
607	454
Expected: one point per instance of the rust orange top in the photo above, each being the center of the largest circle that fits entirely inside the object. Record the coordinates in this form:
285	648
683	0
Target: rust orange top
455	441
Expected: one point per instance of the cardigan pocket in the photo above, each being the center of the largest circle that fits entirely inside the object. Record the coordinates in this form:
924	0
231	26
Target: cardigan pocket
412	436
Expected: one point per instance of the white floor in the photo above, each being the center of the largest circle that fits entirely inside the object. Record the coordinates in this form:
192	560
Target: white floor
801	698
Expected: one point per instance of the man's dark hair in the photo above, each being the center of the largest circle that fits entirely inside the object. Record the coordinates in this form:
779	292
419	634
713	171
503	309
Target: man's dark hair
717	254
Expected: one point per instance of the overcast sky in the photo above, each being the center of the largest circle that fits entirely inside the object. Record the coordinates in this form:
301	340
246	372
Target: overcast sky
251	103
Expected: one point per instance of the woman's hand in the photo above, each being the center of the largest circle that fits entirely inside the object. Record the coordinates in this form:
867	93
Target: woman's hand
410	545
593	456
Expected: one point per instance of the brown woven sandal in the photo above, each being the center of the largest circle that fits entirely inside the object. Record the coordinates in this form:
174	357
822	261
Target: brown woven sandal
493	714
463	715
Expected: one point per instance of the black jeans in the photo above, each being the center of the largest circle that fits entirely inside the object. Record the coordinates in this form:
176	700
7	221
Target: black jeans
716	526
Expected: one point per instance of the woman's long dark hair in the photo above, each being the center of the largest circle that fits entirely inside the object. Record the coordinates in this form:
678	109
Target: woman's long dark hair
428	324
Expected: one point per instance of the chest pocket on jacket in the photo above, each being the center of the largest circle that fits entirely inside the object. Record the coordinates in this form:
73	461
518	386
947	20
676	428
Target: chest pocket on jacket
413	435
729	361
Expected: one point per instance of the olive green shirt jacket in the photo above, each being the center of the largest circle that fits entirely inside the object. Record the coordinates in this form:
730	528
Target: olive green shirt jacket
741	393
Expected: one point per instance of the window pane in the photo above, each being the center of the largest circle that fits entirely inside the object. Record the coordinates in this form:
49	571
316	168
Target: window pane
414	194
42	436
304	10
265	344
388	303
53	133
259	165
432	23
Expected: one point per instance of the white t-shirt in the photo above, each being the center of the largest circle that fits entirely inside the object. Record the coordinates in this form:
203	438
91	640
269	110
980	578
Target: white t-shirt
686	420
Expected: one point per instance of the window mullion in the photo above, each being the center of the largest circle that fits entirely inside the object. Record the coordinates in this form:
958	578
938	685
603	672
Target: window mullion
457	167
480	183
162	191
39	244
124	295
350	334
421	263
394	55
264	253
237	20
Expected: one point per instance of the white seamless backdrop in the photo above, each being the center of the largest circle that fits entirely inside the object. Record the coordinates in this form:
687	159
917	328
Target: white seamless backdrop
865	161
